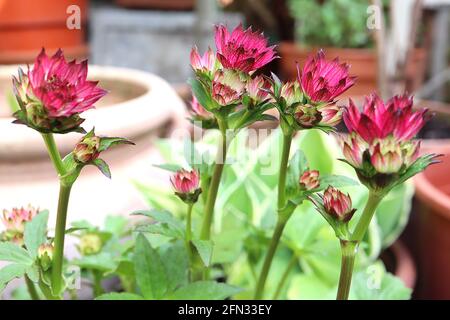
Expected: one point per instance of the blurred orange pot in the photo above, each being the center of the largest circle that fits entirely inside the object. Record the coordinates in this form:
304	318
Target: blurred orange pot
27	26
363	64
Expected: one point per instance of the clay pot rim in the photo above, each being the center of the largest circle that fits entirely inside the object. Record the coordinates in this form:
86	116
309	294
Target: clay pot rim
405	267
142	113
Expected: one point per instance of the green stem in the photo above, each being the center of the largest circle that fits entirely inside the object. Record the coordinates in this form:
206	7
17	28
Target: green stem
282	219
189	236
60	230
350	248
46	291
54	153
285	275
287	141
31	289
363	224
348	251
97	283
205	233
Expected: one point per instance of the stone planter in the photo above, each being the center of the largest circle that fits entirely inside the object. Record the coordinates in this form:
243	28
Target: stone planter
140	106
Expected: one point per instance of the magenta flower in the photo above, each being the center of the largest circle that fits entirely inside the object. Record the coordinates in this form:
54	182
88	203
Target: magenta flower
62	86
241	49
380	144
337	204
323	80
205	63
309	180
379	120
54	92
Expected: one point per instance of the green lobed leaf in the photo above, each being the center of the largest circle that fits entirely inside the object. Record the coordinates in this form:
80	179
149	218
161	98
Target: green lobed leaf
36	233
204	290
336	181
12	252
150	272
175	260
163	217
10	272
203	97
204	249
169	167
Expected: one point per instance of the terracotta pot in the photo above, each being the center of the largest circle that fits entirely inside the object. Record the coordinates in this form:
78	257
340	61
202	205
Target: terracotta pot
363	65
398	260
158	4
27	26
139	106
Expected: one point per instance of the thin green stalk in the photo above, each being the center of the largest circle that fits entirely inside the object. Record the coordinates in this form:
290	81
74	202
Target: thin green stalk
47	292
31	289
189	236
205	233
54	153
348	251
363	224
350	248
282	219
285	275
60	230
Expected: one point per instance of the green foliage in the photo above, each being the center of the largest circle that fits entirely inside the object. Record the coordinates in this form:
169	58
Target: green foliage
334	23
245	215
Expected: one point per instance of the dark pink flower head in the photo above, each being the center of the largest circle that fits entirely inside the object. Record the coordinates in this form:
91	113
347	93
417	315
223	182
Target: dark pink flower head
241	49
337	204
324	80
185	182
379	120
62	86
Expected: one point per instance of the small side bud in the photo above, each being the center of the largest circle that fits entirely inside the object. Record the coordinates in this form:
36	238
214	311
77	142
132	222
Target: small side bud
87	150
90	243
309	180
337	204
45	255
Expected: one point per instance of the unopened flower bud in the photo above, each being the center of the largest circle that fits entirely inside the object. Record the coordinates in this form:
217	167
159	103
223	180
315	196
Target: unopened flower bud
45	255
87	150
309	180
90	243
186	185
307	116
337	204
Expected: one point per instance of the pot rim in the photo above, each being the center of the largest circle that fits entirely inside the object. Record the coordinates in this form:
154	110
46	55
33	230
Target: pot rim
131	118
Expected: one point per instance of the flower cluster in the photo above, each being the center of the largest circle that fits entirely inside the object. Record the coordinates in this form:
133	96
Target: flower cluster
53	93
310	101
225	79
380	144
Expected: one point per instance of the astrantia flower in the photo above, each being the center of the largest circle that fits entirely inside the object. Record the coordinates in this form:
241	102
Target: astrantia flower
14	221
205	63
242	50
331	115
337	204
309	180
257	89
227	87
186	185
380	143
324	80
54	92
